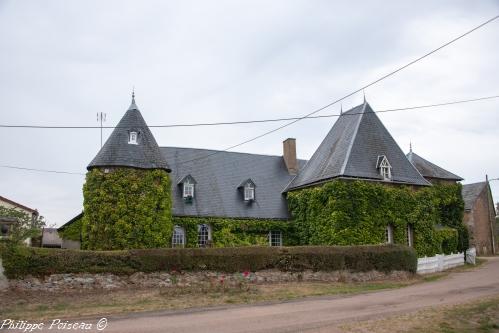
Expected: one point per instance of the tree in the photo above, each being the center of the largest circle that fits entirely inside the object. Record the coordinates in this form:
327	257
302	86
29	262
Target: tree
27	226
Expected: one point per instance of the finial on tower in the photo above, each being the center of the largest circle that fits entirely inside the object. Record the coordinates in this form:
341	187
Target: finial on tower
364	92
133	106
341	109
410	146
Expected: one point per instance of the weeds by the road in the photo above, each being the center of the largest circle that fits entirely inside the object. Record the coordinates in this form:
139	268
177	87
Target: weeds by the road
479	316
37	305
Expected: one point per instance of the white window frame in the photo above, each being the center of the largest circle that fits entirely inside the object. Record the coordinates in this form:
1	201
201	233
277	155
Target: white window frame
178	236
389	234
249	192
385	169
275	238
133	137
204	235
188	189
410	235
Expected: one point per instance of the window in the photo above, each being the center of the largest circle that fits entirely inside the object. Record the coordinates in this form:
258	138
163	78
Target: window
385	169
188	189
132	138
249	192
389	234
410	235
204	235
275	238
178	238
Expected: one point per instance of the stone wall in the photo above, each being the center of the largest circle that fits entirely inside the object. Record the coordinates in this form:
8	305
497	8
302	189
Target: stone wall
480	221
68	282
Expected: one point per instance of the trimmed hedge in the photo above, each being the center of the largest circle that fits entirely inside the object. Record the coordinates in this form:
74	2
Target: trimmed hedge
21	261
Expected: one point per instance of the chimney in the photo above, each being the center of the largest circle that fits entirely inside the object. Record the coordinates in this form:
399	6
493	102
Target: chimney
289	155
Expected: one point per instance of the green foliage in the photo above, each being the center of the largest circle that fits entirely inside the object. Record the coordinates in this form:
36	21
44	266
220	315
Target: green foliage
20	262
28	226
73	231
357	212
126	208
228	232
448	239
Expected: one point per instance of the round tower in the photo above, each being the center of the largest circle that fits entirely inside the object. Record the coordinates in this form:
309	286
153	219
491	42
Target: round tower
127	193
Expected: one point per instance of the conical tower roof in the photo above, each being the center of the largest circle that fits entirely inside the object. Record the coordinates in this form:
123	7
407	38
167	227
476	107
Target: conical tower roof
119	152
353	148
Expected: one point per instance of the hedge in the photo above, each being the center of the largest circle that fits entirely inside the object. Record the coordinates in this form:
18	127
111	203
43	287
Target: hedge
21	261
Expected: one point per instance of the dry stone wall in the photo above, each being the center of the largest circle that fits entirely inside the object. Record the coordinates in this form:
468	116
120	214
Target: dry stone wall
68	282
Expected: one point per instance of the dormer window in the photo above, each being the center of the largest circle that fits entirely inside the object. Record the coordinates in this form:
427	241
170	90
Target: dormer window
187	183
132	139
247	188
249	192
384	167
188	190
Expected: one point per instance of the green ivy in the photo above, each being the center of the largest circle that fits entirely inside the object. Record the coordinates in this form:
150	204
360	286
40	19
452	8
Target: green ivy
357	212
448	239
229	232
73	231
126	208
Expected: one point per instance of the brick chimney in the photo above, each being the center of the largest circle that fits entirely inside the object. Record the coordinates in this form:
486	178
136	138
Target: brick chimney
289	155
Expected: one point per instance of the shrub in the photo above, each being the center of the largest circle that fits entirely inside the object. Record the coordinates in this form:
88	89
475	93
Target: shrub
20	262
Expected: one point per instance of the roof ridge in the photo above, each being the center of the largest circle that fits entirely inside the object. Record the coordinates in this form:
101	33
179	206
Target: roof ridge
225	151
354	136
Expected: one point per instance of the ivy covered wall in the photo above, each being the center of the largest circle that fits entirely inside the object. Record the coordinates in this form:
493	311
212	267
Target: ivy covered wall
228	232
357	212
126	208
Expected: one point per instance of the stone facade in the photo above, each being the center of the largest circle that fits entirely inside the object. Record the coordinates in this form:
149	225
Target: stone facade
480	220
73	282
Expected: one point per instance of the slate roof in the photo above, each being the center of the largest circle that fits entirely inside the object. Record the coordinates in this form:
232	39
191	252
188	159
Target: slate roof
471	192
351	150
218	177
118	152
430	170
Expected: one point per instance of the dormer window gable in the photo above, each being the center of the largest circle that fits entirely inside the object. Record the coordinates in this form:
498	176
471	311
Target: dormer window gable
384	167
248	188
188	184
133	137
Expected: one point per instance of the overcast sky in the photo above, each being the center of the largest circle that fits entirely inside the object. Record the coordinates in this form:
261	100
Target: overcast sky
62	62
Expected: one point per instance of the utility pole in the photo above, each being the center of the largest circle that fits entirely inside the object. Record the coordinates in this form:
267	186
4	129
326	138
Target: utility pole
101	117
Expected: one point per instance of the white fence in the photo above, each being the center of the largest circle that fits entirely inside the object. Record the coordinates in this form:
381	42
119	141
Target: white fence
439	263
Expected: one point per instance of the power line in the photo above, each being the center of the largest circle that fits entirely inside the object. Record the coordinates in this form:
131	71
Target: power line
281	119
352	93
41	170
242	122
317	110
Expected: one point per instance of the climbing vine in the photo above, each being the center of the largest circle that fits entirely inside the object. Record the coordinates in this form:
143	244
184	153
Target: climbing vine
228	232
126	208
357	212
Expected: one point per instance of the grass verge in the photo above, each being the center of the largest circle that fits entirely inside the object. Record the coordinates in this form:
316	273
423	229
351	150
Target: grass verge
478	316
37	305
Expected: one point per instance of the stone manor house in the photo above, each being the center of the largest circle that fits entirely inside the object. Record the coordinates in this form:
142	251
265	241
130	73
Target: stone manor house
222	184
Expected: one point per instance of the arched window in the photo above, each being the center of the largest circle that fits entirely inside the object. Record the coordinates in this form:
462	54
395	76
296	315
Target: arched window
178	238
204	235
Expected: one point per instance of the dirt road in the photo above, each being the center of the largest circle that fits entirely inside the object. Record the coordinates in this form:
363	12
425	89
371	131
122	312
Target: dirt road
318	314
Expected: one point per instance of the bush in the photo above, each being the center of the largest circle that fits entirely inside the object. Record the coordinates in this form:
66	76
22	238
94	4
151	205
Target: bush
20	262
